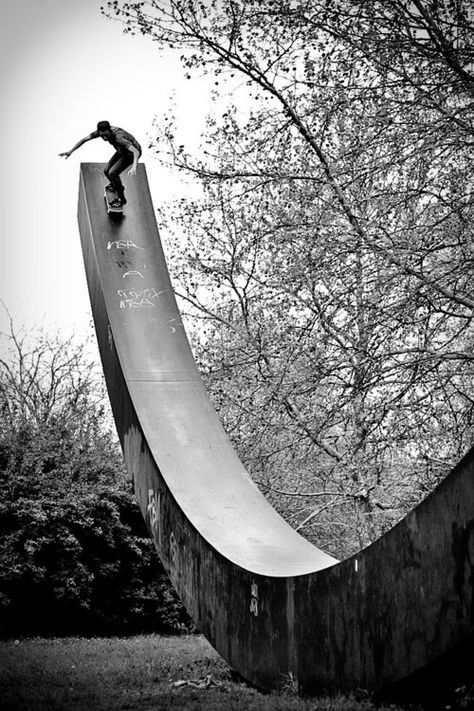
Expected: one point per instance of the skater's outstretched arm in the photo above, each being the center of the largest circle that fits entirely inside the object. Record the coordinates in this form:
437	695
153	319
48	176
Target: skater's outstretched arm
66	154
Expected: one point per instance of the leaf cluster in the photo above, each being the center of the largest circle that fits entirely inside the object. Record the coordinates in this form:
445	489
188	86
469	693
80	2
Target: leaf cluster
75	556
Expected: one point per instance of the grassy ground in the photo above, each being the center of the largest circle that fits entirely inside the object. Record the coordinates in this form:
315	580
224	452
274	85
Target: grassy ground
142	673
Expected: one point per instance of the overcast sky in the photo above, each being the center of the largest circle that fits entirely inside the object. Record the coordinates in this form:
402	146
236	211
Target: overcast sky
63	67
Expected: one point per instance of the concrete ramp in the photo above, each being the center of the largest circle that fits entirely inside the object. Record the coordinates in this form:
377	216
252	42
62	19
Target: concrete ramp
398	618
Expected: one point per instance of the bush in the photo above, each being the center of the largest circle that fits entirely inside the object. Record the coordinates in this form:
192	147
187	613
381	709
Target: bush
84	566
75	555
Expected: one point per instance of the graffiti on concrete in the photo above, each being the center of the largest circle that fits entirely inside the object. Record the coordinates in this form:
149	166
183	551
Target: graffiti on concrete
153	510
133	272
173	551
123	244
138	298
254	599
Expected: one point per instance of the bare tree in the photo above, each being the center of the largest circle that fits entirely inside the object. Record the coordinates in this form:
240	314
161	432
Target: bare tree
330	261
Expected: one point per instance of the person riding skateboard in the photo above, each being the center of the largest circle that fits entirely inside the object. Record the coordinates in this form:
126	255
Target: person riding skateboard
127	152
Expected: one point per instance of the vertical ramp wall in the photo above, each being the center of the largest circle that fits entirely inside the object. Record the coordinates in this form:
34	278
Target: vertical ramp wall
398	616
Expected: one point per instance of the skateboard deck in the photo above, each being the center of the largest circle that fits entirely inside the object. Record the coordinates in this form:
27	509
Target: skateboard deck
110	196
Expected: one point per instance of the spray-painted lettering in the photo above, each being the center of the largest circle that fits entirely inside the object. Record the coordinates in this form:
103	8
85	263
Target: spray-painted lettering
138	298
254	599
131	273
123	244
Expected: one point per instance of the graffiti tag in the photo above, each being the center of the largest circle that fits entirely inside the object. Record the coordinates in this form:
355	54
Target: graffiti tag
138	298
254	599
153	511
173	551
123	244
131	272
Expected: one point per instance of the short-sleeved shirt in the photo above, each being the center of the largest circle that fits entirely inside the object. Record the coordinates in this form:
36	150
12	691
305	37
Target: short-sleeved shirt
121	140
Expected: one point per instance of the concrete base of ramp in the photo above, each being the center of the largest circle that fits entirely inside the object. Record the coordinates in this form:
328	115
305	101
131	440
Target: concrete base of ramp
397	617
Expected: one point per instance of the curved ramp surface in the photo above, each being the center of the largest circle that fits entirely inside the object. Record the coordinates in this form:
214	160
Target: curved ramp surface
396	617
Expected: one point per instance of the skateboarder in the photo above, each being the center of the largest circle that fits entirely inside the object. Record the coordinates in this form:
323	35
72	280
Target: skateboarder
127	152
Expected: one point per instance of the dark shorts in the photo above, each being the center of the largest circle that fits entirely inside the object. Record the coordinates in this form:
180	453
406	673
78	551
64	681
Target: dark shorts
117	164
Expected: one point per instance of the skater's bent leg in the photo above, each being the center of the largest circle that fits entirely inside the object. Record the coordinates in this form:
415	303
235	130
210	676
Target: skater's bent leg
110	165
113	173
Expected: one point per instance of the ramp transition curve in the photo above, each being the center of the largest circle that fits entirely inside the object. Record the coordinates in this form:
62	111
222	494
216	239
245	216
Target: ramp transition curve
397	618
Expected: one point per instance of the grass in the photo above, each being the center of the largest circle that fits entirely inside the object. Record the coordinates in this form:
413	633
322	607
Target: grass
138	673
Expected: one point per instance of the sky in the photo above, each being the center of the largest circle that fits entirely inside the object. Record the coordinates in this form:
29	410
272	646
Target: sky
63	67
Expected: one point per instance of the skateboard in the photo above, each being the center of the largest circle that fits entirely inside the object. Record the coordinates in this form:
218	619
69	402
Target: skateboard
111	197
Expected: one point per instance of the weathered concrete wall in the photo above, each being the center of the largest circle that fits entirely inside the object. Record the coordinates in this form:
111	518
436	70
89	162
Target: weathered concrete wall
397	617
